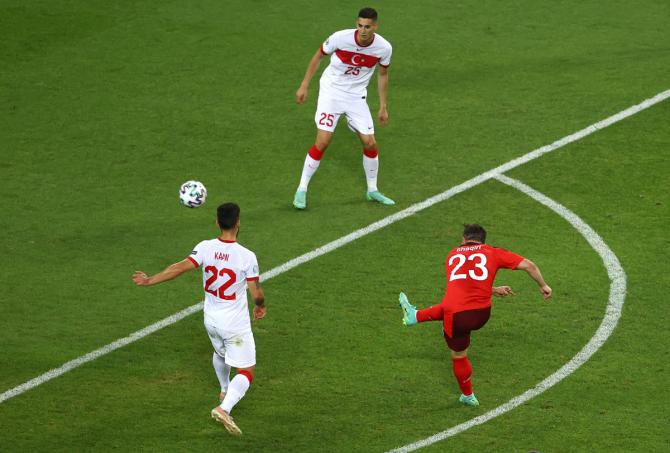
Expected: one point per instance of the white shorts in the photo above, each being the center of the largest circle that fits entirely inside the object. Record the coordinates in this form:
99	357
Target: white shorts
237	349
356	110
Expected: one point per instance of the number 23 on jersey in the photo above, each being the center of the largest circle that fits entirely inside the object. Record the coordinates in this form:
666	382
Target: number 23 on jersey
480	272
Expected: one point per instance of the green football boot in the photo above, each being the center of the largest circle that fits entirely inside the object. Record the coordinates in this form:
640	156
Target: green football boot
469	400
409	311
300	199
379	198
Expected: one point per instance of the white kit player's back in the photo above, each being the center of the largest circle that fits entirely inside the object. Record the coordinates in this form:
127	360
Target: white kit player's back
226	268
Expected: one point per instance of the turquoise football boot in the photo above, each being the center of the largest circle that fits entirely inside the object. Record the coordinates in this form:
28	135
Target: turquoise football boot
409	311
469	400
379	198
300	199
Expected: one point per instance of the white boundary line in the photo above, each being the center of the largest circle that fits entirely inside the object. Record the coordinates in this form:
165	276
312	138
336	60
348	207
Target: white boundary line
615	303
413	209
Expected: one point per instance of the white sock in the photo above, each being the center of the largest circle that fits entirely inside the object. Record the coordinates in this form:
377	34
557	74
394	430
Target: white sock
371	167
236	390
222	371
308	170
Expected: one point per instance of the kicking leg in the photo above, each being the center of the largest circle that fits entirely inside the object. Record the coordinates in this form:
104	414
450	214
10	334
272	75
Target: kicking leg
412	316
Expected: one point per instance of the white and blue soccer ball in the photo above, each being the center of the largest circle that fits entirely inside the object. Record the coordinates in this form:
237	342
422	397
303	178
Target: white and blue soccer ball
192	194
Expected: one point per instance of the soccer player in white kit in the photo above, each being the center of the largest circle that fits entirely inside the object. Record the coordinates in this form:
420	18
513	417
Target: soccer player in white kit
227	270
343	91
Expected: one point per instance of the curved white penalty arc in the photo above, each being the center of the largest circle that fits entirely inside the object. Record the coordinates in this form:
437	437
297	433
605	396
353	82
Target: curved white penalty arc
617	296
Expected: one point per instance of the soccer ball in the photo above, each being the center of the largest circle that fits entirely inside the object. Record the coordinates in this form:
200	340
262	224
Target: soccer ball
192	194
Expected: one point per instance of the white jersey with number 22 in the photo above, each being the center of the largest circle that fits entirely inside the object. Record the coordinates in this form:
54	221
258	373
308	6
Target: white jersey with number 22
226	268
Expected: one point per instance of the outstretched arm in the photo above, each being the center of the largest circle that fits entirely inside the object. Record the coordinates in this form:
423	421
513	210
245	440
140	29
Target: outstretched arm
534	273
170	272
301	94
382	86
259	299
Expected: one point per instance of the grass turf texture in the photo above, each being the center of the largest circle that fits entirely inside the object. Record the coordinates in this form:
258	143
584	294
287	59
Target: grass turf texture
107	109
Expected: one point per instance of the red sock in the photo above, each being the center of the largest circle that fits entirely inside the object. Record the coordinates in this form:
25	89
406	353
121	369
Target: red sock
315	153
463	373
434	313
371	153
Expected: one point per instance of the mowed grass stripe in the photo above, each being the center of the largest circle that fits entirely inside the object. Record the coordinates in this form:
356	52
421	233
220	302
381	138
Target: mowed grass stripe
407	212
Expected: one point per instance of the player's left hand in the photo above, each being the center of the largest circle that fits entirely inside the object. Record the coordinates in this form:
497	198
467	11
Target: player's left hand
140	278
502	291
259	312
383	116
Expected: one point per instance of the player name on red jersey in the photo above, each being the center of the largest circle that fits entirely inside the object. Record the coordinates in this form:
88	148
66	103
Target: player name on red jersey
469	248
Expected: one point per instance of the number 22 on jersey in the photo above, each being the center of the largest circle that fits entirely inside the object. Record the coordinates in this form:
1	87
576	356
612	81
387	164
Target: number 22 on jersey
221	291
479	260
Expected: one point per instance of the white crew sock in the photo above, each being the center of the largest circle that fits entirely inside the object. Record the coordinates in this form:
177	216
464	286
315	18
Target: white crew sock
308	170
371	167
236	390
222	371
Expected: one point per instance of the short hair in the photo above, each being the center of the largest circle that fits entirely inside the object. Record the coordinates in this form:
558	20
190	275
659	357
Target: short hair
368	13
474	232
227	215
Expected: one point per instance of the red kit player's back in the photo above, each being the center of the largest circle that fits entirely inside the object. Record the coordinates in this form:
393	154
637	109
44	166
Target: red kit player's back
471	270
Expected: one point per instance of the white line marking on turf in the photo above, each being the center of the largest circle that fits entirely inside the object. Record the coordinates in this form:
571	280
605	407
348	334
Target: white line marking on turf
343	241
617	296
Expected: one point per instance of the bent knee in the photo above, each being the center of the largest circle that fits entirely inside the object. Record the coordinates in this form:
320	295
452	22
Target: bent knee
369	142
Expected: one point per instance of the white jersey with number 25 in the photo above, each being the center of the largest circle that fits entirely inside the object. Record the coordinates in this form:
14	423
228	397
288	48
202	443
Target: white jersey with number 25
351	64
226	268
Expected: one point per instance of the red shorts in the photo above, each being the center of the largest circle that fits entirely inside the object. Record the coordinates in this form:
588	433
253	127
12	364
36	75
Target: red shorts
462	323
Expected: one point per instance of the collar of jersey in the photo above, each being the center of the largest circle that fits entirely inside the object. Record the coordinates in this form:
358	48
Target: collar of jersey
227	242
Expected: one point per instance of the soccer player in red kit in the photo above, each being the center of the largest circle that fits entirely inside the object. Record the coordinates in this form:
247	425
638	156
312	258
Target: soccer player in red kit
466	306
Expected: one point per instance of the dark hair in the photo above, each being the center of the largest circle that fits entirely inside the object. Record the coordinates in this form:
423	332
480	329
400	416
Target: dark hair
227	215
368	13
474	232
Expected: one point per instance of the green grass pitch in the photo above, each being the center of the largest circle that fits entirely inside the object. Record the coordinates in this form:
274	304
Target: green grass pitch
107	107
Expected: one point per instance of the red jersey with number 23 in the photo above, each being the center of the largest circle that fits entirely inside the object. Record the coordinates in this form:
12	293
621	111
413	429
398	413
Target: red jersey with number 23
471	270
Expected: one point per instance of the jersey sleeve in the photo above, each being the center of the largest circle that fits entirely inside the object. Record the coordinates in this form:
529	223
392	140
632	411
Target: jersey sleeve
196	255
385	61
251	272
330	45
507	259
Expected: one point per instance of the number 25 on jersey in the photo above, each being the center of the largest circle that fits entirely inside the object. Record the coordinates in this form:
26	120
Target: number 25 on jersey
480	272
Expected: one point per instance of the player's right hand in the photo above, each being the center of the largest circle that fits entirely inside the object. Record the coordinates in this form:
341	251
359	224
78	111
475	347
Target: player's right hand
259	312
546	292
140	278
502	291
301	95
